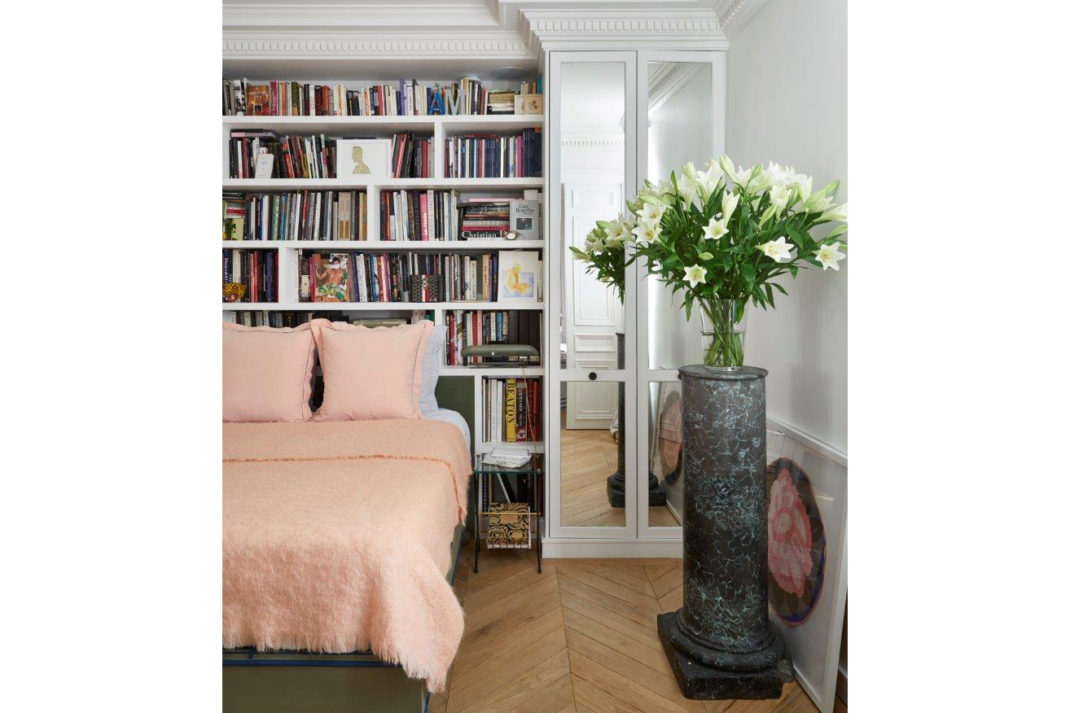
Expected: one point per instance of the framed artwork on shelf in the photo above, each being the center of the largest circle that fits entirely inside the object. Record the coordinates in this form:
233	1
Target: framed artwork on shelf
806	500
518	276
364	157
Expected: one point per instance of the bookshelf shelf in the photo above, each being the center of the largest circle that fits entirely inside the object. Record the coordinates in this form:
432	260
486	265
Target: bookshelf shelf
430	245
517	371
334	184
373	306
330	124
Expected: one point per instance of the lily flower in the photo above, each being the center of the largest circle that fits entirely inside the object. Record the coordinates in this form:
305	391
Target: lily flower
729	201
715	229
829	255
646	232
695	275
778	249
837	214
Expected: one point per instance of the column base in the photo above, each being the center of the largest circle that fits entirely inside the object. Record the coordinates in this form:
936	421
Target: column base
728	675
656	494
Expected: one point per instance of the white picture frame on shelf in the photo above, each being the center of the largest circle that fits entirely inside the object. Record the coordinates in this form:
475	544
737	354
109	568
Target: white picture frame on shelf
364	158
518	276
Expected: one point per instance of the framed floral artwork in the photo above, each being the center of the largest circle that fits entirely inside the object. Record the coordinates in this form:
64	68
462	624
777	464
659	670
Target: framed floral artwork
806	502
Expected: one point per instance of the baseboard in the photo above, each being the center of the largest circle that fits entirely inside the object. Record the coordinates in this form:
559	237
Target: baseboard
841	685
566	548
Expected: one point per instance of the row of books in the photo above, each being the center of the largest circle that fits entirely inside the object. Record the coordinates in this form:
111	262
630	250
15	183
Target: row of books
257	270
494	156
418	215
512	411
271	318
473	327
384	277
406	98
295	215
259	153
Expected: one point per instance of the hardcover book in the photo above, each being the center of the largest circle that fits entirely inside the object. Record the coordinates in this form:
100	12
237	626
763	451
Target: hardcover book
332	277
524	219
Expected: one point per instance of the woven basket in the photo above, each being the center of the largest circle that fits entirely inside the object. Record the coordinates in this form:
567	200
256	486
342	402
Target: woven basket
425	288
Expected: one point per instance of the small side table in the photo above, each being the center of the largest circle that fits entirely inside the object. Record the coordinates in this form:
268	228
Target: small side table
485	477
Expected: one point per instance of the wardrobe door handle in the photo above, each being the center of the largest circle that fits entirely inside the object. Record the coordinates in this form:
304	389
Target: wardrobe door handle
593	375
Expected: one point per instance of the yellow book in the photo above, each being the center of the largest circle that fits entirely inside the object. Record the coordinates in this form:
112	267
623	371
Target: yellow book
510	410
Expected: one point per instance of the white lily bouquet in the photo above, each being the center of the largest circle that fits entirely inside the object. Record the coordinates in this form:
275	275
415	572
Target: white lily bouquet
722	236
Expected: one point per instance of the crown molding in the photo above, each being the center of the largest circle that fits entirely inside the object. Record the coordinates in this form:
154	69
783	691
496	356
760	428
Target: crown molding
340	46
734	14
668	80
679	29
424	29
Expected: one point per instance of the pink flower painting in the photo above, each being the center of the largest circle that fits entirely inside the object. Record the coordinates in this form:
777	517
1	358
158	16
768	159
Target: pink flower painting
789	536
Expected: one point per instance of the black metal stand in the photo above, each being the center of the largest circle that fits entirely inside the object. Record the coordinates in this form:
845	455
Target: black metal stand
720	644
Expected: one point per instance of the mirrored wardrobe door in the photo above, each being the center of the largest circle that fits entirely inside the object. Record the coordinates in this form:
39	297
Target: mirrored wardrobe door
681	110
592	306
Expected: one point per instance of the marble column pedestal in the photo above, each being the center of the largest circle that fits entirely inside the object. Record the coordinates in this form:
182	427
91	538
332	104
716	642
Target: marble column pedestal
721	643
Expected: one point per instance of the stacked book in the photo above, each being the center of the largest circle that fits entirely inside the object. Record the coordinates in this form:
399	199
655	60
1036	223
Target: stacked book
295	215
512	410
412	156
473	327
494	156
403	98
384	277
484	218
418	215
257	270
293	156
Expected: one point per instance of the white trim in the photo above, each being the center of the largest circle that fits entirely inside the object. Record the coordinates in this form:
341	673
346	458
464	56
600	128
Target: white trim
625	29
734	14
664	85
332	45
565	548
819	447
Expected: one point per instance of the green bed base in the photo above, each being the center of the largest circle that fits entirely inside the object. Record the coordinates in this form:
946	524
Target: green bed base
296	682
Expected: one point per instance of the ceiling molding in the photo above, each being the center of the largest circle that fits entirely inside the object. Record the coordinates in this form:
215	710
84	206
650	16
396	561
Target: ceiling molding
425	29
734	14
668	79
312	45
679	29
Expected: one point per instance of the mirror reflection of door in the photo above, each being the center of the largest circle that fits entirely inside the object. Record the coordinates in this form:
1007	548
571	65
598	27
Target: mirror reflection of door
592	174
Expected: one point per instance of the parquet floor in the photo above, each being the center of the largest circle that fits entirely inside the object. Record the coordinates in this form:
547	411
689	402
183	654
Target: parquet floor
587	459
579	638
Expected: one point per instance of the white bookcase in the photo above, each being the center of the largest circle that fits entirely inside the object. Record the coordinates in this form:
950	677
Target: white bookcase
439	127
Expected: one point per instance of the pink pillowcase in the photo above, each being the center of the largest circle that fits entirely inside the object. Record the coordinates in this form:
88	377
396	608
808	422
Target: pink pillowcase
267	373
370	373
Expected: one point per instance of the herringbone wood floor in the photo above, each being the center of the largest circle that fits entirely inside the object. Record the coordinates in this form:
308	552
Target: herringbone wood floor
579	638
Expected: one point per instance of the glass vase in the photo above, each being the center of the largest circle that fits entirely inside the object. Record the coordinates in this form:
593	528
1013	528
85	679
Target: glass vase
723	330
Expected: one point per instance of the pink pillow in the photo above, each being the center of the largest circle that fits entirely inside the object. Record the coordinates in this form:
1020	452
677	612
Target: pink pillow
267	373
370	372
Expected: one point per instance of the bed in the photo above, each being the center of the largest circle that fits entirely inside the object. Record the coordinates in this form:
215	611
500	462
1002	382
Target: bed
339	544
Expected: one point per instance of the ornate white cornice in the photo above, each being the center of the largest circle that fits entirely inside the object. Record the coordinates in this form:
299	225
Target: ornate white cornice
425	29
290	45
668	80
679	29
734	14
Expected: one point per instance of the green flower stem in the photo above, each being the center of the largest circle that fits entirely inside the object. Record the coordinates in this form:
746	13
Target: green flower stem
726	345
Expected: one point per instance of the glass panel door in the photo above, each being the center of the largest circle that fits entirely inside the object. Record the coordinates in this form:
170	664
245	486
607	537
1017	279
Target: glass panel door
592	308
680	105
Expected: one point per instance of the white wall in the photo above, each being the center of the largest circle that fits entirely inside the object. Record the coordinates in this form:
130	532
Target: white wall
787	102
679	132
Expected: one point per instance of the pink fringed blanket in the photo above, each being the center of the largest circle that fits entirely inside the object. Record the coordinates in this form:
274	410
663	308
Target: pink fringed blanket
336	538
